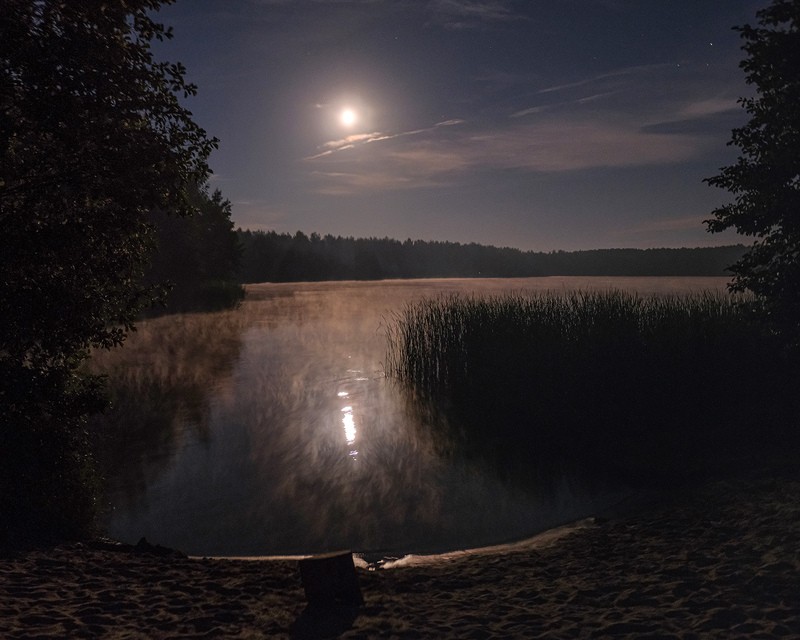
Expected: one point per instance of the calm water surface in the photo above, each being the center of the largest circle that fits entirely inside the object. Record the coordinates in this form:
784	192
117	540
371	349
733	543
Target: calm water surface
272	430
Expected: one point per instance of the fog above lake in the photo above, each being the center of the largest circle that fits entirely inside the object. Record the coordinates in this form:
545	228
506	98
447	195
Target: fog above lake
273	430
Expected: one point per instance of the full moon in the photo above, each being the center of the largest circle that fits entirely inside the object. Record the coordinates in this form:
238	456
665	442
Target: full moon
348	117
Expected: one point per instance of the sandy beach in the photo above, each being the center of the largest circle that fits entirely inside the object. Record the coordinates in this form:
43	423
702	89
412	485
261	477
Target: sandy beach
720	561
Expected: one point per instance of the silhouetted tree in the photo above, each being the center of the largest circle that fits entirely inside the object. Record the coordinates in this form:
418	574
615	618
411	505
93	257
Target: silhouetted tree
196	257
93	137
766	178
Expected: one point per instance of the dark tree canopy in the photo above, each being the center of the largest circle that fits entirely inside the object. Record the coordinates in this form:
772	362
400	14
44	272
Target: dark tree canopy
196	257
93	137
765	181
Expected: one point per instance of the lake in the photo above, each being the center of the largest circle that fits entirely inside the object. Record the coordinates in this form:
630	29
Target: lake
272	430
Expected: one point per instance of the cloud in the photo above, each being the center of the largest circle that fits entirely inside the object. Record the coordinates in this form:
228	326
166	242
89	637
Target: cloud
530	111
323	2
698	103
443	156
450	123
595	96
636	88
685	223
701	117
709	107
332	146
541	108
470	14
558	145
349	141
638	70
619	119
347	183
258	214
403	164
677	231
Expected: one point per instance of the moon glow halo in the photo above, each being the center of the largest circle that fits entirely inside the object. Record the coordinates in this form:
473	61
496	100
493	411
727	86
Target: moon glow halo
348	117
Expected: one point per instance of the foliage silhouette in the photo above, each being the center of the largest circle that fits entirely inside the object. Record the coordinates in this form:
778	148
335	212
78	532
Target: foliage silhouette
765	180
93	137
196	257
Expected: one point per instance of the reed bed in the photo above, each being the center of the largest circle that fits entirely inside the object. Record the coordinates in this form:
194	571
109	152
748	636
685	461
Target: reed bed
641	387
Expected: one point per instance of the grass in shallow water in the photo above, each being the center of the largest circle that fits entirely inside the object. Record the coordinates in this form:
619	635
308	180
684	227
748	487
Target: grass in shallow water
642	387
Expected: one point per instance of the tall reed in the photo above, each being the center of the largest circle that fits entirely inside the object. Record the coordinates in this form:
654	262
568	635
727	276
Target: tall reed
642	385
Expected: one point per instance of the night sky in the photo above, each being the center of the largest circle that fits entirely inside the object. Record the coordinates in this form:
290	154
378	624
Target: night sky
537	124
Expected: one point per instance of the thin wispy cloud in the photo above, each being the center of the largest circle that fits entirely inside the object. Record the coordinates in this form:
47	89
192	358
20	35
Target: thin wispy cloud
343	183
530	111
711	106
479	9
556	105
595	96
592	128
550	146
617	73
698	116
470	14
259	214
699	101
312	2
660	231
683	223
350	142
332	146
560	146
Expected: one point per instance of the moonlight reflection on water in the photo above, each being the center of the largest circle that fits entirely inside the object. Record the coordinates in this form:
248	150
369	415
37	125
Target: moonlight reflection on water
272	430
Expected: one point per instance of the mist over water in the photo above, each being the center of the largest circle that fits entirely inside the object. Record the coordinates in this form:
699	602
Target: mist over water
272	430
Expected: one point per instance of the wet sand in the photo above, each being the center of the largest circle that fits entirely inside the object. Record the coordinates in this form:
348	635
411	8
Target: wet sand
716	562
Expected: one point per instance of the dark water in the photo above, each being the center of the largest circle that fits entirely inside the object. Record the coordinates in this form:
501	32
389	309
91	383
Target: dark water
272	430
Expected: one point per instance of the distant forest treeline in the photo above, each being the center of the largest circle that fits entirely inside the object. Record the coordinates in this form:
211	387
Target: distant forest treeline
196	257
273	257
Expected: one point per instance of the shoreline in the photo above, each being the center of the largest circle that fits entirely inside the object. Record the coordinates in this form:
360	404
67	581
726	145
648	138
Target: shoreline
419	559
718	561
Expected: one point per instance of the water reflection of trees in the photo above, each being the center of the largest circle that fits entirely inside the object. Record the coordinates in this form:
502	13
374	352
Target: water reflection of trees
161	385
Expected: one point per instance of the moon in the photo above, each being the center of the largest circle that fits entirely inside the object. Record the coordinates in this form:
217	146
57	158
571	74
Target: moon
348	117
